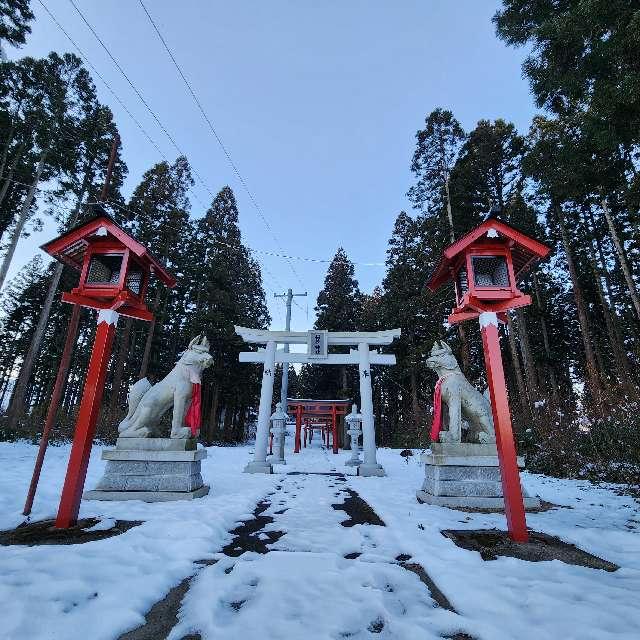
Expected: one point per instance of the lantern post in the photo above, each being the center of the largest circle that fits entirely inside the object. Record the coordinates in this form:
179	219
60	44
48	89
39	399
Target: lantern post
114	275
485	266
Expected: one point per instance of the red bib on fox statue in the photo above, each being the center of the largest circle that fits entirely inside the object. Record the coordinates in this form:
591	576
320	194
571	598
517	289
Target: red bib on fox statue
193	416
436	424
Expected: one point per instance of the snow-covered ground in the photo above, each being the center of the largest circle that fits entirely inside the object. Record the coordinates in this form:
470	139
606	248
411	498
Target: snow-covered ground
305	588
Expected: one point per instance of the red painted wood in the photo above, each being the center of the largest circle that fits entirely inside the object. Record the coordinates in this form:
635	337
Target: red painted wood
54	403
334	429
513	502
477	307
298	428
85	427
86	232
124	304
530	246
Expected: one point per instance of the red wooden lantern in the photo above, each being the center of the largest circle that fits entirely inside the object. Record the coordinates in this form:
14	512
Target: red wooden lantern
114	268
485	266
114	274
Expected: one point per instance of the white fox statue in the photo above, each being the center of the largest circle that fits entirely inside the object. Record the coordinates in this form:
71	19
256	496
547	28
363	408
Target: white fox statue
463	400
148	403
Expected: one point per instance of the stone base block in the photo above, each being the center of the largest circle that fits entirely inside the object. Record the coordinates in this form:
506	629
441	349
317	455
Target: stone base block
465	476
463	449
170	467
156	444
258	467
160	456
146	496
459	460
371	470
472	502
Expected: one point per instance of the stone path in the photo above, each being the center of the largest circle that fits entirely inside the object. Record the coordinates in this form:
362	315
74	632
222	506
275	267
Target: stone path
314	556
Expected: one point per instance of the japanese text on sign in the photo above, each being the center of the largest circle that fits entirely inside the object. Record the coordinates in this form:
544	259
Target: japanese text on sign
317	344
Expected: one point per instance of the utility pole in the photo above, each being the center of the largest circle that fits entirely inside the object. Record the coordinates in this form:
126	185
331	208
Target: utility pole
284	387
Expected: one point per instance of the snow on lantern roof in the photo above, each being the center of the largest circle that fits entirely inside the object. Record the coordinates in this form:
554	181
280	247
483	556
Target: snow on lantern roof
524	249
71	246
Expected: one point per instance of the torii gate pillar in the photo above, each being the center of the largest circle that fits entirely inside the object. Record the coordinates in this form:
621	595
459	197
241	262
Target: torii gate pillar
259	463
370	466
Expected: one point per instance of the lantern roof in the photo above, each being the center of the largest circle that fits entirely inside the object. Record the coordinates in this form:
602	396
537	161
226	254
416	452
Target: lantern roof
71	246
492	231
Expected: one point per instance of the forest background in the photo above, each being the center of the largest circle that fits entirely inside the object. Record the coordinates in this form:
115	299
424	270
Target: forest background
571	180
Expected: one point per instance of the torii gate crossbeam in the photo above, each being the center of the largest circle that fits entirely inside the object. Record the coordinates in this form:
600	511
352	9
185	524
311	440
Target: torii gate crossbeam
317	353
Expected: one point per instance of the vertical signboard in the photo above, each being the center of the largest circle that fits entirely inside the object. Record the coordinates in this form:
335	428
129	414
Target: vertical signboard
317	344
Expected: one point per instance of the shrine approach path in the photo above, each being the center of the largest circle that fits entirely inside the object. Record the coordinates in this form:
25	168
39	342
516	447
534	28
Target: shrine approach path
313	561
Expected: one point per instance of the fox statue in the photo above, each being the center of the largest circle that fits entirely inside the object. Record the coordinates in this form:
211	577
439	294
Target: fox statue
463	400
148	403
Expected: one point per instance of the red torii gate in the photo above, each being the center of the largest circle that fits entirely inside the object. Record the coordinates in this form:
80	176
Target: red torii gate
330	410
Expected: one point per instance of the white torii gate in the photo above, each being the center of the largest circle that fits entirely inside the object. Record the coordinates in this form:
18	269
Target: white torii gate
317	342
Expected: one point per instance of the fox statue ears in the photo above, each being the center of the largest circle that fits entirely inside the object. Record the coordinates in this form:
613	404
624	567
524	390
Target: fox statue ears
199	343
440	345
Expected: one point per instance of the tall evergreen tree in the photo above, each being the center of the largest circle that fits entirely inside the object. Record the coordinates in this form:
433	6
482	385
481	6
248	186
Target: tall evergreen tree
15	16
338	308
225	290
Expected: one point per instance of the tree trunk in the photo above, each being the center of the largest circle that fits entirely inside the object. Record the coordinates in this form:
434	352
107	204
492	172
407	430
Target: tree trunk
118	368
17	400
615	340
5	153
415	406
517	369
9	178
22	219
464	350
545	340
591	366
464	343
622	258
527	355
213	414
226	425
144	367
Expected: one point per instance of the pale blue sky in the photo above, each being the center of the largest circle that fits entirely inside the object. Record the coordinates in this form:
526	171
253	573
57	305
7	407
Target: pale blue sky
318	103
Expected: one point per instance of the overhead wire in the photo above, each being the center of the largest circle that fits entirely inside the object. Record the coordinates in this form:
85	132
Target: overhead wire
138	93
259	251
110	89
225	150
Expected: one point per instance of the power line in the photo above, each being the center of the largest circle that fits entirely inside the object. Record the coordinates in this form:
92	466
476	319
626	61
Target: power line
137	92
110	89
261	251
226	152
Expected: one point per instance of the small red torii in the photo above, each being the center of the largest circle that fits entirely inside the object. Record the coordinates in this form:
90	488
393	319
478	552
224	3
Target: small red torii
330	410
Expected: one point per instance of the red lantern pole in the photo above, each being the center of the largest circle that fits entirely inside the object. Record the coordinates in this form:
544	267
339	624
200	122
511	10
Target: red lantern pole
65	361
513	502
86	423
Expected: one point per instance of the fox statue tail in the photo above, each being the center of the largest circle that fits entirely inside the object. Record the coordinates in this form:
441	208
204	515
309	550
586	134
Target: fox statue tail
136	393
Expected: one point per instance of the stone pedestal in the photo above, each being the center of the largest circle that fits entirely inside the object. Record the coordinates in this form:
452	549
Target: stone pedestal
368	470
465	475
152	470
257	466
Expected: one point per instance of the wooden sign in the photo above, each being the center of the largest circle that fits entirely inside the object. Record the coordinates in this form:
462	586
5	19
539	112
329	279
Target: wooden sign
317	345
